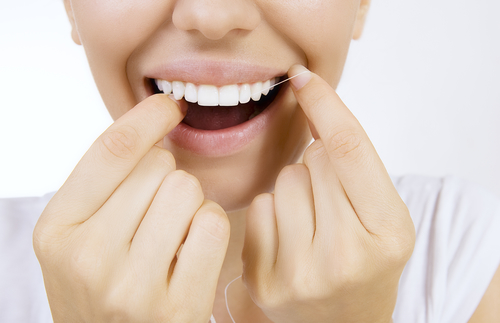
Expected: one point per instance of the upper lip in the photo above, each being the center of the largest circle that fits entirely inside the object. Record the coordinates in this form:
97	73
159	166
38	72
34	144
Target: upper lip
218	73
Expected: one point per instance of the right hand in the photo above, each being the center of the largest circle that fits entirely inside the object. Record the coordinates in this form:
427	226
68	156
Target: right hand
108	240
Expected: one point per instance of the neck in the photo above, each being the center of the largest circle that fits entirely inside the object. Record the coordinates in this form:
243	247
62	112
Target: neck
241	305
233	265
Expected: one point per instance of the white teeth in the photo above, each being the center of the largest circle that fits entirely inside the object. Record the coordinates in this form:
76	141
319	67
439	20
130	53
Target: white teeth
158	85
210	95
265	87
245	93
191	94
272	82
256	90
229	95
166	87
178	88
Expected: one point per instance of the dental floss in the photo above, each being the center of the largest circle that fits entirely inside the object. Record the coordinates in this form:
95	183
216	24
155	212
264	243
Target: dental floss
270	87
212	319
225	296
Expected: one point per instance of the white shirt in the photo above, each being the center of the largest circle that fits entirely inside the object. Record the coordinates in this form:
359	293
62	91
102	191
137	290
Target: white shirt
22	293
456	254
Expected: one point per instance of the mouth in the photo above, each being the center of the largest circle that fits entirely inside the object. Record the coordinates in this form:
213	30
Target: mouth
214	108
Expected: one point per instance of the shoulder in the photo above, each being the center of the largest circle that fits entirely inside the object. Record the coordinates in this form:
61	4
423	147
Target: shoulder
22	295
451	202
450	190
456	252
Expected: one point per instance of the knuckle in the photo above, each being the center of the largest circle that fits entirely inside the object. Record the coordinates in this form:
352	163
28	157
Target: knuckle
345	142
163	159
83	266
353	271
261	204
398	244
41	242
265	289
184	183
122	142
211	206
118	309
286	172
263	198
356	268
264	297
399	249
292	172
213	220
47	242
124	302
304	288
316	151
352	278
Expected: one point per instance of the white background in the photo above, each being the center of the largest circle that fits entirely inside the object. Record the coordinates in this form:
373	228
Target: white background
424	81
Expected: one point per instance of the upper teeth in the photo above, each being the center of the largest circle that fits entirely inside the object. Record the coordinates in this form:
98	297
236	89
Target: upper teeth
210	95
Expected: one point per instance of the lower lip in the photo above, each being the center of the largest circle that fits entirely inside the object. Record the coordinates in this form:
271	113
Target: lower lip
223	142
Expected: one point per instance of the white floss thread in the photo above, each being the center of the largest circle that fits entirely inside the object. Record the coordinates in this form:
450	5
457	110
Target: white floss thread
272	86
212	318
225	296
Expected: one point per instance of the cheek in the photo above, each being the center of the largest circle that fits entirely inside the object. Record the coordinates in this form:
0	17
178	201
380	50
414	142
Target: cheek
110	31
118	24
323	29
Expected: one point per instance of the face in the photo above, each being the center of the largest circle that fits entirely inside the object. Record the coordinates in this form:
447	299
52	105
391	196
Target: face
219	50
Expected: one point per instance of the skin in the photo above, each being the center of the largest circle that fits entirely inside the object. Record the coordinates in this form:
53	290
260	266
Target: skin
328	245
132	41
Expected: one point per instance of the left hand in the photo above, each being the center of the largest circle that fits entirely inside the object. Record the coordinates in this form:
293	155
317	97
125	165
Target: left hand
331	243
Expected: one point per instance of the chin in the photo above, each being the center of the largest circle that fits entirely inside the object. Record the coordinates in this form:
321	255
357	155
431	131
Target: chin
234	181
230	199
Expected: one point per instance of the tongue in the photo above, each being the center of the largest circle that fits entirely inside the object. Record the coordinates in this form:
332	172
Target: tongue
214	118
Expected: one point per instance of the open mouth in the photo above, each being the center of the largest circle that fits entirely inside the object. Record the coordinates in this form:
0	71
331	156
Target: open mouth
214	108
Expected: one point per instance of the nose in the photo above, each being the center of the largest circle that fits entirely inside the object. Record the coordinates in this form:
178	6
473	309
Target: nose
216	18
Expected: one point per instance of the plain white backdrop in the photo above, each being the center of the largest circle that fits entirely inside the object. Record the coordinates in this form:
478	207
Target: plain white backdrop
424	81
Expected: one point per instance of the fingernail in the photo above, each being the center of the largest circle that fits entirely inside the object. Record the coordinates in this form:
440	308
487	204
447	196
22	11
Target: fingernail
300	80
182	104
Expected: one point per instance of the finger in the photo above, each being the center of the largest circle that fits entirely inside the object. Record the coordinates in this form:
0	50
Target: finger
195	276
113	156
357	164
165	225
122	213
261	238
294	205
334	213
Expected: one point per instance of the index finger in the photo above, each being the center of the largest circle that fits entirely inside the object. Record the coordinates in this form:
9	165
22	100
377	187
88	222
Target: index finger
113	156
354	158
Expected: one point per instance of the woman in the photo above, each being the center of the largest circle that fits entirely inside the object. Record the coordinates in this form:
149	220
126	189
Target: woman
173	201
